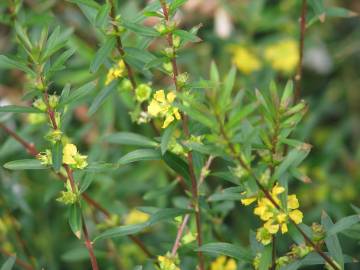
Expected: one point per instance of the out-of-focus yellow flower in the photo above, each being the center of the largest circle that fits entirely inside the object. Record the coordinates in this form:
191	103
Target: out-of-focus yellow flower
135	216
161	106
168	262
222	263
283	55
72	157
36	118
115	72
245	60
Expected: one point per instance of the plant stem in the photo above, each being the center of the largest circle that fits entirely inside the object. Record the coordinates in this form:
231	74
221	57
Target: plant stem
185	126
298	76
269	196
179	235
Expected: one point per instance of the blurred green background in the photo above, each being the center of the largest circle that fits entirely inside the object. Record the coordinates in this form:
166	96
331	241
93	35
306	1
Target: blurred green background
261	39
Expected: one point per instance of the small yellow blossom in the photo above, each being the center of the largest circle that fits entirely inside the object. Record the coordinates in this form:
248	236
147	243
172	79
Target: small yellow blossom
142	92
115	72
161	106
45	157
248	201
168	262
72	157
245	60
283	55
222	263
135	216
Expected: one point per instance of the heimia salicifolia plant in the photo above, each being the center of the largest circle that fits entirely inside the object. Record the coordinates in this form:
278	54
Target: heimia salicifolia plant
192	124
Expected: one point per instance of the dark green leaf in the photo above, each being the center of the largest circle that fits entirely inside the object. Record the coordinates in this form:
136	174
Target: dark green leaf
139	155
24	164
6	62
77	94
100	98
129	138
343	224
165	138
19	109
57	156
75	220
177	164
230	250
102	54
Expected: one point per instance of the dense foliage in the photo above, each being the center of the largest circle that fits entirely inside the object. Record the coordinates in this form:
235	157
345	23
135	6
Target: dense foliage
176	134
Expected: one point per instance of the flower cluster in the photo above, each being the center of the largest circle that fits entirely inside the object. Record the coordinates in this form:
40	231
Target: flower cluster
115	72
69	196
161	106
72	157
168	262
222	263
275	219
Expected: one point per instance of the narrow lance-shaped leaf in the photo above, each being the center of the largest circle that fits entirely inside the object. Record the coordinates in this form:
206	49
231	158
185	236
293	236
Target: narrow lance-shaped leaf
102	54
129	138
75	220
230	250
9	263
100	98
24	164
140	155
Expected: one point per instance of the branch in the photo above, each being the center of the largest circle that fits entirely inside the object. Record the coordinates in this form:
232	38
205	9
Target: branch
298	76
185	125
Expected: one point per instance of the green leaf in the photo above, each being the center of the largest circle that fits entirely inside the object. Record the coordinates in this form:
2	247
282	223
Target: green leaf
100	98
77	94
24	164
56	41
158	216
226	249
56	154
228	194
176	4
140	29
19	109
287	96
265	260
241	114
102	54
225	93
100	167
343	224
75	220
89	3
102	16
186	36
8	63
340	12
9	263
129	138
293	159
165	138
139	155
332	242
177	164
206	119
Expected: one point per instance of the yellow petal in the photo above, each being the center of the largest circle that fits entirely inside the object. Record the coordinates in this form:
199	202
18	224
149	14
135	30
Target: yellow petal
296	216
292	202
171	97
276	190
272	228
176	113
154	108
168	120
231	265
248	201
69	152
159	96
284	228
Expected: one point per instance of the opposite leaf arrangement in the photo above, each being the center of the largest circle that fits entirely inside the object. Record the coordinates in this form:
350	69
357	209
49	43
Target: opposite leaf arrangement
194	125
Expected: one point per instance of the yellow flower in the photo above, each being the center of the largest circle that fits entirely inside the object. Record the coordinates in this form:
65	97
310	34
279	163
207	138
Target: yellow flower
45	157
161	106
296	216
248	201
115	72
72	157
263	236
283	55
168	262
292	202
246	61
135	216
222	263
